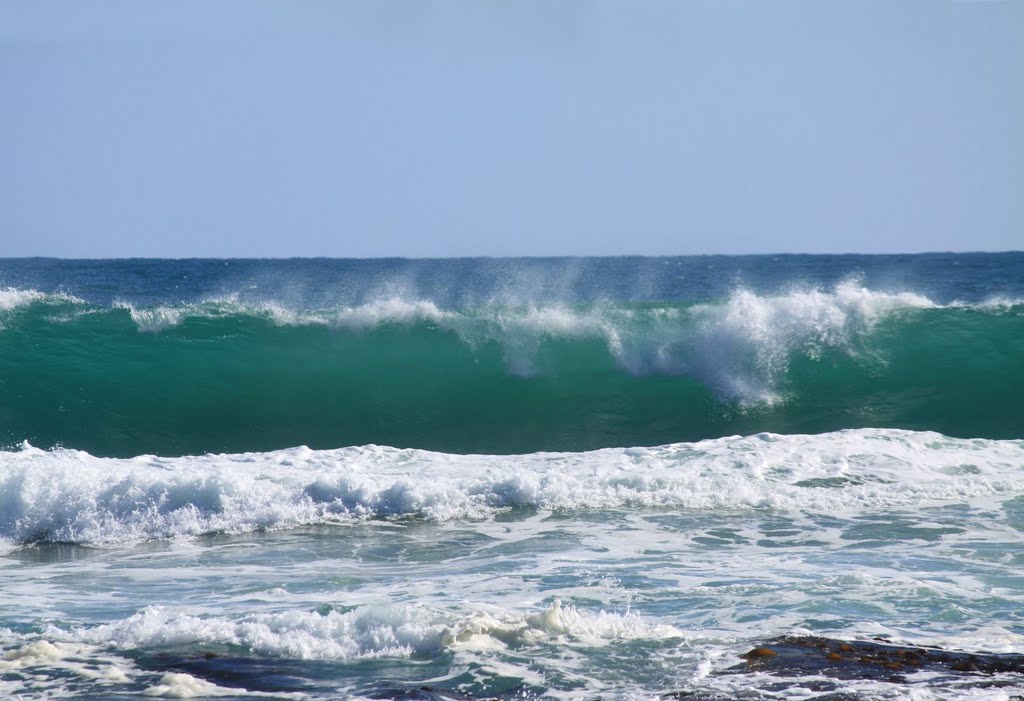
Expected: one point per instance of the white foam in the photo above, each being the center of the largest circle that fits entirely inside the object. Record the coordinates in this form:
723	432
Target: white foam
556	622
156	319
354	318
60	668
178	685
12	298
744	346
367	632
162	317
386	311
55	668
997	302
31	654
71	496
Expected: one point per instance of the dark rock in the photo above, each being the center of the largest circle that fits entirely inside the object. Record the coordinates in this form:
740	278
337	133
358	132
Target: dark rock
805	655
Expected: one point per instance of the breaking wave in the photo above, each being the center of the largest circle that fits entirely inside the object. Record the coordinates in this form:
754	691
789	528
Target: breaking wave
71	496
223	375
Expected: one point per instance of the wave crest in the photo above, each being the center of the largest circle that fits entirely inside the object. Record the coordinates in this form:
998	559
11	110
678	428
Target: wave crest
739	347
235	375
12	298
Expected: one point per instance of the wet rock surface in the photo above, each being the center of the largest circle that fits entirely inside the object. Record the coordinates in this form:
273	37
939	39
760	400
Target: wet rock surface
877	660
823	666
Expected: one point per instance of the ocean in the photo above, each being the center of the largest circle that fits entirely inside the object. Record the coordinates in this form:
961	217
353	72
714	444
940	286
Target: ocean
707	478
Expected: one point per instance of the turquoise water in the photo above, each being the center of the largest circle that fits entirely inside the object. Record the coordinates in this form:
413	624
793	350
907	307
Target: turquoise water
511	478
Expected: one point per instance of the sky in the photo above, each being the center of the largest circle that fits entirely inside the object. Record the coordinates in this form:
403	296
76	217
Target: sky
423	128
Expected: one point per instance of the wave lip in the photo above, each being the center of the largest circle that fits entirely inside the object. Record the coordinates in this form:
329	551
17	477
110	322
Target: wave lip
71	496
12	298
745	345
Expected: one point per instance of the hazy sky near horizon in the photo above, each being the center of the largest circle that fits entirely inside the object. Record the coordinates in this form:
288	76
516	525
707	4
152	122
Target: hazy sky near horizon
427	128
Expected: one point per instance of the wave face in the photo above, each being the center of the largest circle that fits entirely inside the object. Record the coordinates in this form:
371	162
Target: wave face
505	356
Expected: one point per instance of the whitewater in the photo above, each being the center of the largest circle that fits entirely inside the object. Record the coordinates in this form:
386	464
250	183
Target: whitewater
618	478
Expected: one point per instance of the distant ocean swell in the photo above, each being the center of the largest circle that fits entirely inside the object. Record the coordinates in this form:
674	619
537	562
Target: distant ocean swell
223	376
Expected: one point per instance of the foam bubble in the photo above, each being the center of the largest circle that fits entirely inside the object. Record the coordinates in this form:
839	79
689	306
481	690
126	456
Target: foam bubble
57	667
60	667
31	654
178	685
556	622
366	633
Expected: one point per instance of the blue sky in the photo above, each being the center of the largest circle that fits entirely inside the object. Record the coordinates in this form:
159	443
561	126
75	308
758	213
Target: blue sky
422	128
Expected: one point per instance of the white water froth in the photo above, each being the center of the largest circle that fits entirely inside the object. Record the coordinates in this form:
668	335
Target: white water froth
91	655
41	668
12	298
743	347
845	304
70	496
368	632
357	318
156	319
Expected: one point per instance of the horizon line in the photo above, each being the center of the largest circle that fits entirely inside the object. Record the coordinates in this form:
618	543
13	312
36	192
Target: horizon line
515	257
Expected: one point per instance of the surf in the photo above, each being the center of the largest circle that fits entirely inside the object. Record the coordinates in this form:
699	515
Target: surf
68	496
